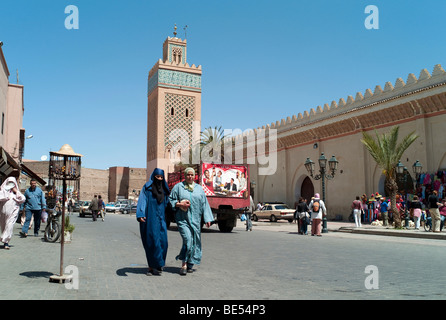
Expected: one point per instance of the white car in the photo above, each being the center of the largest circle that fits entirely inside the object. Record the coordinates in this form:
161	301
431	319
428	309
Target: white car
83	208
110	207
119	206
274	212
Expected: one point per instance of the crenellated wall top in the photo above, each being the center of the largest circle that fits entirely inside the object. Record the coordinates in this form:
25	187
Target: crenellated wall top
379	95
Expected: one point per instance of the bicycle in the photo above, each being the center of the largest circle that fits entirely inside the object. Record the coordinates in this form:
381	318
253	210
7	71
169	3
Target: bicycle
52	229
427	221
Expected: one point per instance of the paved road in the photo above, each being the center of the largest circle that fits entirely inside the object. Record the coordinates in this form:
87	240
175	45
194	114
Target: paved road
257	265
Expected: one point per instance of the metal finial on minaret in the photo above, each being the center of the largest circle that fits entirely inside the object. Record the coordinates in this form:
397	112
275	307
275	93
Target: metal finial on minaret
185	34
175	31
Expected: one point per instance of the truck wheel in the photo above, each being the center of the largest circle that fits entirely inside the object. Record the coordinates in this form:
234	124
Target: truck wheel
273	218
223	227
255	218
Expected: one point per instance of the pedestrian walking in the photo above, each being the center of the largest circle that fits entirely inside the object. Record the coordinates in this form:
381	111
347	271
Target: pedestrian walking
10	200
384	209
150	213
190	203
259	206
34	204
357	209
70	206
433	210
93	206
317	210
248	214
303	217
415	211
101	207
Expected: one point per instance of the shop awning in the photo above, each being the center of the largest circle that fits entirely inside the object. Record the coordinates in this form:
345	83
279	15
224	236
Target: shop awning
27	171
7	163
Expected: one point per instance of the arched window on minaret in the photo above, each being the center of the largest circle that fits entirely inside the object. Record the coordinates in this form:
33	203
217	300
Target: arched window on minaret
172	112
187	113
176	55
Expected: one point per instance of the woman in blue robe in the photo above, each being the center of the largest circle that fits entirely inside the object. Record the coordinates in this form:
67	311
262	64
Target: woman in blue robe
190	204
150	213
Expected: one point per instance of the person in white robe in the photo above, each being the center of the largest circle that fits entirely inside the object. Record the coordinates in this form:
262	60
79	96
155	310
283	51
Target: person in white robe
10	200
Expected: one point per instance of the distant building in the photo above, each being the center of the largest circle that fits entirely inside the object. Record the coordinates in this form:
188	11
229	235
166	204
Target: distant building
112	184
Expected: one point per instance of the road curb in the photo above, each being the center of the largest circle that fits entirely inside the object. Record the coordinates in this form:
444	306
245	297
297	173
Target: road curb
394	233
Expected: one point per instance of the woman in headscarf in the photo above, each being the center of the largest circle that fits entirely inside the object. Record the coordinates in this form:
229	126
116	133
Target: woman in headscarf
150	212
317	210
189	201
10	200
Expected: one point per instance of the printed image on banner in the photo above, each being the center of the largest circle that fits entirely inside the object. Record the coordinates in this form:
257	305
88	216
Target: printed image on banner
224	180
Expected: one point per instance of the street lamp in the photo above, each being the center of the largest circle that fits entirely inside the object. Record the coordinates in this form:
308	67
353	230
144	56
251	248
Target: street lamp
64	165
417	167
402	170
399	167
332	167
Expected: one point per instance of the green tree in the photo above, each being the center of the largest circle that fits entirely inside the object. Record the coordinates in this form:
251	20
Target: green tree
386	151
212	140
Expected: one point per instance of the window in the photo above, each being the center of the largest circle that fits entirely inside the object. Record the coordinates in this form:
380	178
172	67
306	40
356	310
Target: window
187	112
3	121
172	111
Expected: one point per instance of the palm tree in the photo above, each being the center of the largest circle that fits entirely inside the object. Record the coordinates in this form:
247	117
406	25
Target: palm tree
212	140
387	152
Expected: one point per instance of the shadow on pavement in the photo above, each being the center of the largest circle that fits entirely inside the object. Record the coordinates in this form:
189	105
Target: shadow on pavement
143	270
37	274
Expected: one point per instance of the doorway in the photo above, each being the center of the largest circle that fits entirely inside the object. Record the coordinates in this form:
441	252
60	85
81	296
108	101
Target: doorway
307	189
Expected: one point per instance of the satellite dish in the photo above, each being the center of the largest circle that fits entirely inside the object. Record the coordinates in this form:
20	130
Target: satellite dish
43	158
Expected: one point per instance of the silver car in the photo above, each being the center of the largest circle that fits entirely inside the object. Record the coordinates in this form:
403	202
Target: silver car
274	212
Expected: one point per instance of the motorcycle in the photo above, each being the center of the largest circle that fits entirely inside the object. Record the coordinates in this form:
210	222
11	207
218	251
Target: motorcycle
53	228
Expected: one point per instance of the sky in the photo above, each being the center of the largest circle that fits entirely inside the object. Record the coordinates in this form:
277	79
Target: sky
262	61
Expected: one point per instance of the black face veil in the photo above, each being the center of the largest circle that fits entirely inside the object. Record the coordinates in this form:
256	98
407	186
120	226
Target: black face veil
158	190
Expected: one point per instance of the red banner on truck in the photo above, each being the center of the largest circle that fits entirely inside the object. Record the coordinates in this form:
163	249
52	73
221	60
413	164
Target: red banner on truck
224	180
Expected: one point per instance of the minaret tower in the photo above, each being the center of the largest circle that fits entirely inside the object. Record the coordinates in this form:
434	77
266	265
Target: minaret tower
174	106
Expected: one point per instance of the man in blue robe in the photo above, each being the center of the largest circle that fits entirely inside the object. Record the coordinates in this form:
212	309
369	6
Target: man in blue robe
189	201
150	212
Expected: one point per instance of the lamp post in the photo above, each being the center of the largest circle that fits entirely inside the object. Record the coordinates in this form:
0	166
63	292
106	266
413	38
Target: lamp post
332	167
417	167
64	165
402	170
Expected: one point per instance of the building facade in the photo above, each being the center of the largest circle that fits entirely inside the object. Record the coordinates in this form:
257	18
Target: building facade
12	133
174	106
419	105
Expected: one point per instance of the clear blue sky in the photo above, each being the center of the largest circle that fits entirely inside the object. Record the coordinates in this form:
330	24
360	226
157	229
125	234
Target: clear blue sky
262	61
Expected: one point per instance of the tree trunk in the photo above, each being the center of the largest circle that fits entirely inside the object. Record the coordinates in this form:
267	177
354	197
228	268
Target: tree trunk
393	188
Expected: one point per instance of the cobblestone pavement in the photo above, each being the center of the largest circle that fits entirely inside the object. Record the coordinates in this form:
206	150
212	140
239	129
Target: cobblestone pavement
271	262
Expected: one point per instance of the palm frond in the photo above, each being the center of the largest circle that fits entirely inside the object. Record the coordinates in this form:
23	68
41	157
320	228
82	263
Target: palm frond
385	150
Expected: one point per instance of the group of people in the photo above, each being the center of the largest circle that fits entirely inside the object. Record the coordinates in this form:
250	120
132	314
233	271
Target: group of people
416	208
311	213
188	201
12	202
97	207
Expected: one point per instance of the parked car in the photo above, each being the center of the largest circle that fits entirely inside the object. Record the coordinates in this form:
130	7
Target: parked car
76	206
128	209
110	207
83	208
119	206
274	212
